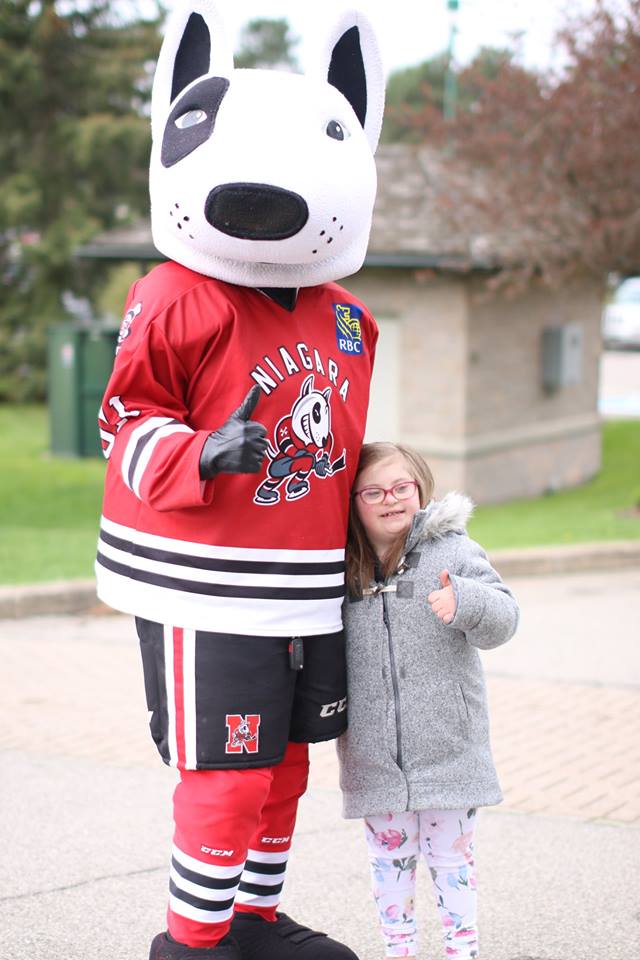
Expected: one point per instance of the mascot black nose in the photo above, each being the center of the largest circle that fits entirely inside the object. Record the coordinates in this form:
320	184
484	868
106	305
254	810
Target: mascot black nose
256	211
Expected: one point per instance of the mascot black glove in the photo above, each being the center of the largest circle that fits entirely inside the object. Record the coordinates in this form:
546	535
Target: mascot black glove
239	445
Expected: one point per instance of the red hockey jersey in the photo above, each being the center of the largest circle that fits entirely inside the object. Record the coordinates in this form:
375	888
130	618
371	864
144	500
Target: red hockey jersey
259	554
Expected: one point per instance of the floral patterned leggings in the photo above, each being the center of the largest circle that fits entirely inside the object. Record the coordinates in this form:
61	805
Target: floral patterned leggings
445	837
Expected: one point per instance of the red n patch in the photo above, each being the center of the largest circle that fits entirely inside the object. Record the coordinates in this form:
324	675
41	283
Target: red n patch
243	732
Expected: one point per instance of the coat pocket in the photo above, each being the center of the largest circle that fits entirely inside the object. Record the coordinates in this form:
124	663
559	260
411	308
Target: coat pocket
463	708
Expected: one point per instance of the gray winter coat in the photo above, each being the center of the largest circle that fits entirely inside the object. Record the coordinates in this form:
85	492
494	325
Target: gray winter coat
418	735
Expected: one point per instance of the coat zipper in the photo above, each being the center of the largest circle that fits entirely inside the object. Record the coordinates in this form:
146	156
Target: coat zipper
394	678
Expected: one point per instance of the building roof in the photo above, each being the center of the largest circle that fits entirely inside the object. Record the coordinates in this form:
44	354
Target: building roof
416	221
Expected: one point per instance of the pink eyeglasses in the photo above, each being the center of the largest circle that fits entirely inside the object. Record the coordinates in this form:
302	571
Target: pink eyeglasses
403	490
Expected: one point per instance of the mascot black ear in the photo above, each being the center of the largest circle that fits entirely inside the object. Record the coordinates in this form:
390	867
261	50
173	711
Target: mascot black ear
193	56
351	62
194	46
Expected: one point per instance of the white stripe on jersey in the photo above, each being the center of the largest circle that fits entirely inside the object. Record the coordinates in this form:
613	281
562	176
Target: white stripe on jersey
159	426
282	593
172	740
147	453
216	552
138	434
259	618
220	576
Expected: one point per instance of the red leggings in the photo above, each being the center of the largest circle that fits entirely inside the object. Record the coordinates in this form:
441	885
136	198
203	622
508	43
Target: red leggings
233	831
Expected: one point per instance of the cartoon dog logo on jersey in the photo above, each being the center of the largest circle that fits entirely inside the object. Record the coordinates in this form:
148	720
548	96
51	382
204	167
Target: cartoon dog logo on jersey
303	445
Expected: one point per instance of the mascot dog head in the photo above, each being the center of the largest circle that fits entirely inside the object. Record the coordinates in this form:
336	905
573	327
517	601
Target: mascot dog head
259	177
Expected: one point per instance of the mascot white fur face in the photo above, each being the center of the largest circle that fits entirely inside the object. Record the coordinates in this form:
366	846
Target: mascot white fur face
260	177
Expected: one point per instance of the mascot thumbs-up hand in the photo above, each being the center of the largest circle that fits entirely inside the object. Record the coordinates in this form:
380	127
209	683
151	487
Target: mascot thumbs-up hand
239	445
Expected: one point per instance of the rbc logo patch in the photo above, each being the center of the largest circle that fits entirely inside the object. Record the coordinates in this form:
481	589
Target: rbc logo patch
348	328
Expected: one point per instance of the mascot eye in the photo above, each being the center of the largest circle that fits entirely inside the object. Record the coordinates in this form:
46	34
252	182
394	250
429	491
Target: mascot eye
316	413
336	130
190	119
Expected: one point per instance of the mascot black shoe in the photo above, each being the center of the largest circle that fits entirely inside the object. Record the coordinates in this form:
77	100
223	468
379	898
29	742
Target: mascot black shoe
164	948
232	424
284	940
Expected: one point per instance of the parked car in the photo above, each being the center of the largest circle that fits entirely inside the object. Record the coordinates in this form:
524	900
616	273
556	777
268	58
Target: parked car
621	316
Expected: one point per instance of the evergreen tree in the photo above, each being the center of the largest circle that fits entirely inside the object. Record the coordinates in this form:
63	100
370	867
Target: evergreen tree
74	143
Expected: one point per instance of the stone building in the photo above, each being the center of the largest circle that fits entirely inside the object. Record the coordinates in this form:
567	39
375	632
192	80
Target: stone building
498	393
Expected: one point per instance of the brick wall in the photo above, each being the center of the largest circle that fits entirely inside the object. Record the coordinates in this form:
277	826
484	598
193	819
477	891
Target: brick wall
465	386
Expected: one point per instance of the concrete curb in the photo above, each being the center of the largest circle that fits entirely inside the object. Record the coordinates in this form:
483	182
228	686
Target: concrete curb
43	599
568	558
79	596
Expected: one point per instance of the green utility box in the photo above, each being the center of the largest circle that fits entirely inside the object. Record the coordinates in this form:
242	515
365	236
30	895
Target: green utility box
80	362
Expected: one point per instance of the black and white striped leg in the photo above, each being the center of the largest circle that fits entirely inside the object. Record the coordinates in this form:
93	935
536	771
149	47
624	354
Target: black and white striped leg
262	879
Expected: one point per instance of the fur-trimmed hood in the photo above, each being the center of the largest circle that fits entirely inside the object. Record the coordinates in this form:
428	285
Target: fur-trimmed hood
439	517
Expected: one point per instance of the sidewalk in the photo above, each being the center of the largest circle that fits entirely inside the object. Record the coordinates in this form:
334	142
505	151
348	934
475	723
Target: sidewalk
85	828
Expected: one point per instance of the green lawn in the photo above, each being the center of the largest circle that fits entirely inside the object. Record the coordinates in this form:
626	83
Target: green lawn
49	506
605	508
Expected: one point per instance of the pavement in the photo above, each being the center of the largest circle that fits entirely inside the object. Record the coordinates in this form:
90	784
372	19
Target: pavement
86	804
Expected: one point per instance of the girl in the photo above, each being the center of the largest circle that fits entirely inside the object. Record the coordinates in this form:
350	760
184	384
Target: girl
416	760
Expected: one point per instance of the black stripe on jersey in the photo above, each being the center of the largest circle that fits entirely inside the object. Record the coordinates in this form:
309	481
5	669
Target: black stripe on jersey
140	445
213	883
261	890
217	905
268	869
222	589
230	566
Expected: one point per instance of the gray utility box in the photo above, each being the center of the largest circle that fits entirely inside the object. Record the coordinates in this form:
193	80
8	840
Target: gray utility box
562	348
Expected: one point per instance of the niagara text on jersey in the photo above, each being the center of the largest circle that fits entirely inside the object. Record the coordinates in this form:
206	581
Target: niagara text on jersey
258	554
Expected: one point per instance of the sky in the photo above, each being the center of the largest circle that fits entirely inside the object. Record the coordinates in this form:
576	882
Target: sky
411	31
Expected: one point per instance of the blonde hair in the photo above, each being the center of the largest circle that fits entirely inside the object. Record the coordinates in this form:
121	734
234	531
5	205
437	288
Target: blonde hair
360	556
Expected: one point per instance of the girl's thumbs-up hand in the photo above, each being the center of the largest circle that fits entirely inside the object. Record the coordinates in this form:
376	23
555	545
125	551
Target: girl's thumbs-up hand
443	602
